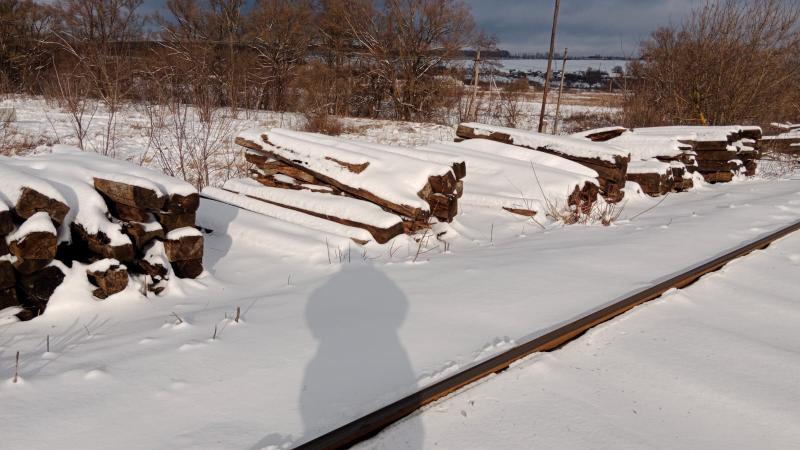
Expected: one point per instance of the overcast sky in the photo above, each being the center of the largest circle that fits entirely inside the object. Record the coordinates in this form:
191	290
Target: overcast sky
606	27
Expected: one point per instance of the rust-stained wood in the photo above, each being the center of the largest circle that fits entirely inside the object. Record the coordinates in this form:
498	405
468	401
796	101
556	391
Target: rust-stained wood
32	201
37	287
35	245
718	177
128	194
520	211
182	204
191	268
444	207
90	246
183	249
140	235
6	222
127	213
108	282
173	221
7	276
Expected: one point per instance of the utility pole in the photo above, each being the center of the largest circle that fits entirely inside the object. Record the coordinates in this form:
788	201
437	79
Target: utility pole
549	65
473	105
560	90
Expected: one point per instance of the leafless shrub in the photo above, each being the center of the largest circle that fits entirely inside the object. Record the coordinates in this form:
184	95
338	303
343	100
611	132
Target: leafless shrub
583	212
510	105
322	122
728	62
191	147
587	120
776	165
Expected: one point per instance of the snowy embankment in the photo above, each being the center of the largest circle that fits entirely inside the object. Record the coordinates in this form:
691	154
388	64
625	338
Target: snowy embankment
319	343
712	365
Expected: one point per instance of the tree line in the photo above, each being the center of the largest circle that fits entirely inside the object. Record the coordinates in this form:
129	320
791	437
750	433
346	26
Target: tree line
385	59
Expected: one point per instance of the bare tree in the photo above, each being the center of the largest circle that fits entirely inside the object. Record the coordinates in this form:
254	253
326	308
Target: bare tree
280	32
408	43
729	61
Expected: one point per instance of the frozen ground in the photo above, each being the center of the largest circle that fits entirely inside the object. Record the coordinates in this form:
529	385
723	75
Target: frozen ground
711	366
321	343
330	330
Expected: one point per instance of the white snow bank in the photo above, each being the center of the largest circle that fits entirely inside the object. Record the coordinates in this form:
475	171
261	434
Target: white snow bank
650	166
696	133
103	265
76	185
94	165
568	145
503	175
180	233
333	205
391	176
13	179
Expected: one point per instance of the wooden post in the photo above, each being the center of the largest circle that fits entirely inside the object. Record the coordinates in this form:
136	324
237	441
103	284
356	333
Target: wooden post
473	106
560	90
549	65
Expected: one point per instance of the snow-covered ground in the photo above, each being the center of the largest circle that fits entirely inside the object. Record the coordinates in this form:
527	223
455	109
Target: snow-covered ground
714	365
330	330
323	342
133	136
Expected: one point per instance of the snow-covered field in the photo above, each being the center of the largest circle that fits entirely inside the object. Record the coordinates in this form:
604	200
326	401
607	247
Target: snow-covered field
714	365
329	330
573	65
321	343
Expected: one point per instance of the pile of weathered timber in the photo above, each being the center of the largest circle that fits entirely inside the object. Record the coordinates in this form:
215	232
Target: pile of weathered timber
384	190
69	206
659	164
720	152
515	179
663	159
610	162
783	138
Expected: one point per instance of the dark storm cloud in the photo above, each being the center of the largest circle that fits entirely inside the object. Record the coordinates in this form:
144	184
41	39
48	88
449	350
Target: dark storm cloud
608	27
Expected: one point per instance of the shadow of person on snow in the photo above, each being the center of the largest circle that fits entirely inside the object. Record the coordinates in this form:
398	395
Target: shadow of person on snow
360	364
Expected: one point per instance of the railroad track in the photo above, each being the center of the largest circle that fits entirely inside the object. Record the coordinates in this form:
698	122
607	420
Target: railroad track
372	423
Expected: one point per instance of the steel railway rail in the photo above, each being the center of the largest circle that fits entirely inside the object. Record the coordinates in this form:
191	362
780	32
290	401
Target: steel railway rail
372	423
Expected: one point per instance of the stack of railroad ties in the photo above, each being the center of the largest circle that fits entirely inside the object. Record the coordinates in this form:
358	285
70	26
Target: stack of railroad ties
119	219
384	190
659	159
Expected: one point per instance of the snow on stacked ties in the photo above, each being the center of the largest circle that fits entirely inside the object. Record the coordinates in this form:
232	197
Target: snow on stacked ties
721	151
610	162
516	179
116	217
659	164
368	191
785	140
